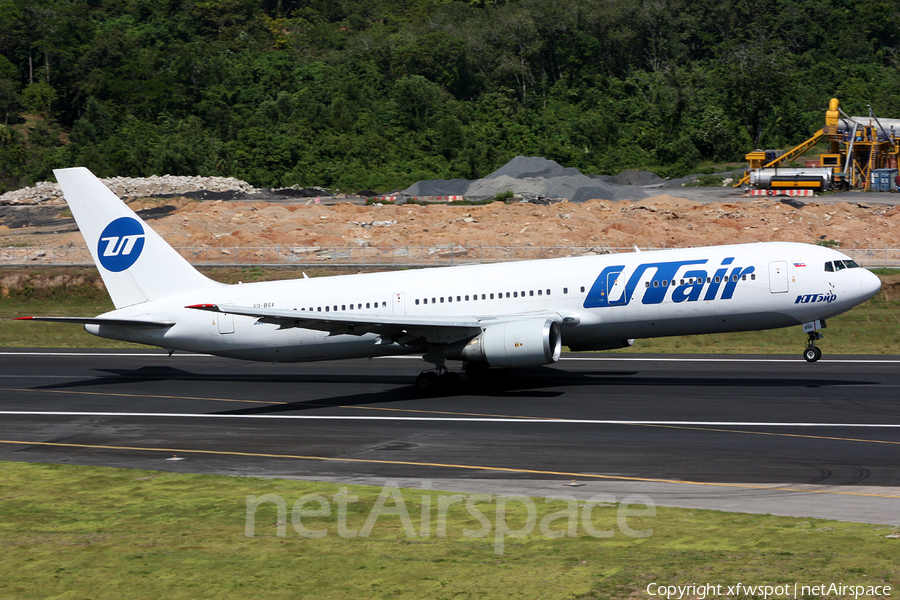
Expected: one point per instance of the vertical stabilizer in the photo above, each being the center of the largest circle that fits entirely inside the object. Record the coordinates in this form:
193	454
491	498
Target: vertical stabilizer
136	264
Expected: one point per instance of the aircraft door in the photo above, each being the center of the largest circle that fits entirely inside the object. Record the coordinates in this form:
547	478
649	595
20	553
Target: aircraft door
399	303
615	289
225	321
778	277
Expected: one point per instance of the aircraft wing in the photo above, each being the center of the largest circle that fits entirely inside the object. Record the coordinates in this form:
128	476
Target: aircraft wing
433	329
101	321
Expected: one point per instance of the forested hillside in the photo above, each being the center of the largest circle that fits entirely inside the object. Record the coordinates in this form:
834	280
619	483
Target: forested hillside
377	94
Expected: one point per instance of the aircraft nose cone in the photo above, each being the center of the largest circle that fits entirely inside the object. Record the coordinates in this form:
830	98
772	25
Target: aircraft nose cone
869	283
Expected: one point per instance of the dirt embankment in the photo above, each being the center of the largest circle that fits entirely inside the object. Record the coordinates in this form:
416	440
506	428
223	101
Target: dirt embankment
658	221
654	222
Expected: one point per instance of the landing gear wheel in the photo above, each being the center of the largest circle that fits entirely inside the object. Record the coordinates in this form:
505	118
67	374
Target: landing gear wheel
450	380
427	381
812	354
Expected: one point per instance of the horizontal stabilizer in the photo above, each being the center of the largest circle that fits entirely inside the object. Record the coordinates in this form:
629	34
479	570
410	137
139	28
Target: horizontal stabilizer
101	321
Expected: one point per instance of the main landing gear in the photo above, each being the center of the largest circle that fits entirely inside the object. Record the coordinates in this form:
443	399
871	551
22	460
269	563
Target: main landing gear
813	352
431	381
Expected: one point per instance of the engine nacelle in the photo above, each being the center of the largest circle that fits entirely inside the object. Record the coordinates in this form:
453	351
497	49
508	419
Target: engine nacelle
526	343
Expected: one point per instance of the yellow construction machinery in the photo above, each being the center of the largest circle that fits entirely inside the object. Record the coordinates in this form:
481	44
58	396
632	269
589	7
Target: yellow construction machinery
862	153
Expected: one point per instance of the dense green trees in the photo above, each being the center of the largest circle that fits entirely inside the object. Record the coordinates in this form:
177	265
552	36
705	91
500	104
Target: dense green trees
379	93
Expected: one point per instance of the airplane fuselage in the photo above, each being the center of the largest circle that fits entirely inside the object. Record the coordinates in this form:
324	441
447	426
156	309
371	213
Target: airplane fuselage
601	302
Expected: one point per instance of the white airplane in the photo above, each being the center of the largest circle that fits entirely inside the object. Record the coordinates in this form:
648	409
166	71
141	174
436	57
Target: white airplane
516	314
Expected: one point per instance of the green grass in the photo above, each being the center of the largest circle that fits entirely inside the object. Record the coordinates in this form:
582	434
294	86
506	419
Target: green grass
19	334
94	532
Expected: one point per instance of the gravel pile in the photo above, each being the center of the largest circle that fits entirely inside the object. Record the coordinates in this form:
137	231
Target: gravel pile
47	192
533	178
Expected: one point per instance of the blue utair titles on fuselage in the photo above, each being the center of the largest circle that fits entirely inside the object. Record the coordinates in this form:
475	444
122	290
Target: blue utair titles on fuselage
120	244
812	298
697	284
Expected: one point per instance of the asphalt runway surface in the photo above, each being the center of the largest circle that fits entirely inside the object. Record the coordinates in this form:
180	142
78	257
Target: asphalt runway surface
757	434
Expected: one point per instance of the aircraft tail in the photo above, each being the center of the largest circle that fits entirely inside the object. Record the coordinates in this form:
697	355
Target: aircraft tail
136	264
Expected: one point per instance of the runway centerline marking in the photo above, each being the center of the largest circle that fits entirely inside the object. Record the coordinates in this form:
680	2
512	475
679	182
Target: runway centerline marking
453	419
443	465
467	417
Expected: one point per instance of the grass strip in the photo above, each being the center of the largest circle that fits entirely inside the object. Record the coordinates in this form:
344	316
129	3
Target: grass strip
95	532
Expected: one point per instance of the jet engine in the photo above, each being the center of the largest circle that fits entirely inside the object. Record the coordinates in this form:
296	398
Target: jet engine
526	343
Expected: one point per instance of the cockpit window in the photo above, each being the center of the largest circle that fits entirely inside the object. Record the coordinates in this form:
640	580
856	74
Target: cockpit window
840	264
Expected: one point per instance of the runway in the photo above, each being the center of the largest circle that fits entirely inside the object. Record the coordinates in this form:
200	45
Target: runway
744	433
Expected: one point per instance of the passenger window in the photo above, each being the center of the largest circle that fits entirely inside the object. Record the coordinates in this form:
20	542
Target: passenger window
442	299
434	300
426	300
734	277
449	298
458	298
417	302
367	305
467	297
708	279
646	284
522	293
515	294
326	309
507	294
531	292
483	296
655	283
565	290
343	307
718	279
743	278
318	309
540	292
548	291
665	283
492	296
752	276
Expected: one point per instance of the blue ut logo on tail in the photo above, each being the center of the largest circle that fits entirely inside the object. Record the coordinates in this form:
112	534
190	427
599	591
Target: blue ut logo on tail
120	244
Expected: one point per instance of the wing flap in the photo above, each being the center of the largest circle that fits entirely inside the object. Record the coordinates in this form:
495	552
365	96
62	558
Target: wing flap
433	329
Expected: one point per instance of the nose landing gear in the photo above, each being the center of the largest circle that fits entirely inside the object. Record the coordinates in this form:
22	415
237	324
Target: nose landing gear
812	352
